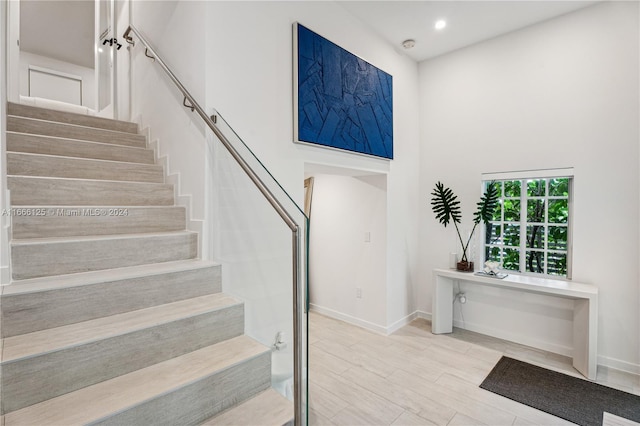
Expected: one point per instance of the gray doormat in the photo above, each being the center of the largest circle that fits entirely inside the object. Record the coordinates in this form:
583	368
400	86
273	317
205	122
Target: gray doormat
573	399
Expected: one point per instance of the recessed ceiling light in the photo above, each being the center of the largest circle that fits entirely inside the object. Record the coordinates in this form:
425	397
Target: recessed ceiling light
408	44
440	24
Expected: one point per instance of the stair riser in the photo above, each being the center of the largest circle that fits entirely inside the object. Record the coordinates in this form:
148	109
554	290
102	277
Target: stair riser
29	381
68	222
19	142
35	191
50	128
205	398
51	166
26	313
58	258
71	118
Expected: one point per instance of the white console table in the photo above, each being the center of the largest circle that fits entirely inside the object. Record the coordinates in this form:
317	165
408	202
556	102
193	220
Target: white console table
585	308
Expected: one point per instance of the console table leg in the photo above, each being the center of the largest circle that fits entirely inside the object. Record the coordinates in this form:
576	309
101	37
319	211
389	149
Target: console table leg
585	332
442	307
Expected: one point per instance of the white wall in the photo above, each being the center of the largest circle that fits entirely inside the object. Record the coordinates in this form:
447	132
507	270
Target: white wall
568	85
4	202
249	80
344	208
123	63
13	50
87	74
176	30
563	93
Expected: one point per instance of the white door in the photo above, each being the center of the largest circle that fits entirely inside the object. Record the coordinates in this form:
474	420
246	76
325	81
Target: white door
68	38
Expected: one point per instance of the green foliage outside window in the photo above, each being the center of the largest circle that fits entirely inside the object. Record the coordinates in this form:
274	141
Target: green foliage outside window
529	228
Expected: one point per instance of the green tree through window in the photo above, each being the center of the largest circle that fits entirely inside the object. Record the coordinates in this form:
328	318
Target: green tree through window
530	228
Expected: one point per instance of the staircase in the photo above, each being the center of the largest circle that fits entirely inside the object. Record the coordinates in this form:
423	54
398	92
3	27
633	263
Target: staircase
111	318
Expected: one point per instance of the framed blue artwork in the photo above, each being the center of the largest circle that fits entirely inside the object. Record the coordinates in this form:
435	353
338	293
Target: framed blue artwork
341	100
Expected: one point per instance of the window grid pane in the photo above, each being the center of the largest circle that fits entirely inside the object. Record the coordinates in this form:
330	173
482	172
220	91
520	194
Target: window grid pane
543	205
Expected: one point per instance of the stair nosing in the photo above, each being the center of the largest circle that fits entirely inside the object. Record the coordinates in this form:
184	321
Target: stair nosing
91	180
13	132
53	206
90	117
81	238
230	302
154	165
80	279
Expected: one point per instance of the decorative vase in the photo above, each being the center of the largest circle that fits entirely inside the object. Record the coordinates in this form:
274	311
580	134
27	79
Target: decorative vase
464	266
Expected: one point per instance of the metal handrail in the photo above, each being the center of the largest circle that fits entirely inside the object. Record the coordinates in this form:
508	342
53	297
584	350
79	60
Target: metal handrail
278	207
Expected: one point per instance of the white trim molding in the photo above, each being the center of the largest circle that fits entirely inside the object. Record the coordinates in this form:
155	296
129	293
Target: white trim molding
530	174
348	319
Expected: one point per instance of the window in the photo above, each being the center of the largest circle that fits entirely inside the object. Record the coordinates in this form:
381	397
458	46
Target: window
531	230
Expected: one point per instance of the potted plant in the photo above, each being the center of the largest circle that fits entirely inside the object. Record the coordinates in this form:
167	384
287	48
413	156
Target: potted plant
446	206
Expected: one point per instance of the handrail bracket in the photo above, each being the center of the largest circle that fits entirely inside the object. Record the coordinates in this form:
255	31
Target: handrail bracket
146	53
191	107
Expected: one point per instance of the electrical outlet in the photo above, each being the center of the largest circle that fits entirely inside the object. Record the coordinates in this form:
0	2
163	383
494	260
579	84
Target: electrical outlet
358	293
461	297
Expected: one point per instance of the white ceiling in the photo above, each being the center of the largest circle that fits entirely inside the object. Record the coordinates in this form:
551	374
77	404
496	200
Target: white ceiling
468	22
64	29
61	30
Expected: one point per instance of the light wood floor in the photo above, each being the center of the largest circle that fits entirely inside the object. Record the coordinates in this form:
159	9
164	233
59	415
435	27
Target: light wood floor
413	377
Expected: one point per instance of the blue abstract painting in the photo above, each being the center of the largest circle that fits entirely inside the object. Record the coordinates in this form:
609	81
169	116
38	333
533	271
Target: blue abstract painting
343	101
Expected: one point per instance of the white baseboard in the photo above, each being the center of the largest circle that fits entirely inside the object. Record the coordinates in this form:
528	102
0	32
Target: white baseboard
5	275
182	200
5	242
617	364
367	324
348	319
423	315
401	323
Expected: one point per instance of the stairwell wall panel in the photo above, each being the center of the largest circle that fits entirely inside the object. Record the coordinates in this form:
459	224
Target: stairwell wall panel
177	31
253	88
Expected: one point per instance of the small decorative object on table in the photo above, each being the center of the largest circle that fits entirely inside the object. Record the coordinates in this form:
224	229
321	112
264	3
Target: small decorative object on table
447	209
491	269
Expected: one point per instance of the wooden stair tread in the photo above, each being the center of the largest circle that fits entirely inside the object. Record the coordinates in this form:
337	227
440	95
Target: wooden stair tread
76	148
68	221
97	238
271	408
115	395
27	190
43	165
32	258
31	344
33	285
146	336
70	118
73	131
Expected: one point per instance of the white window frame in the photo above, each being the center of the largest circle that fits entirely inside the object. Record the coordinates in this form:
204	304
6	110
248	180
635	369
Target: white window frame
530	175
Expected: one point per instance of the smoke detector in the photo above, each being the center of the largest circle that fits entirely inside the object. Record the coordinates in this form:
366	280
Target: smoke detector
408	44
